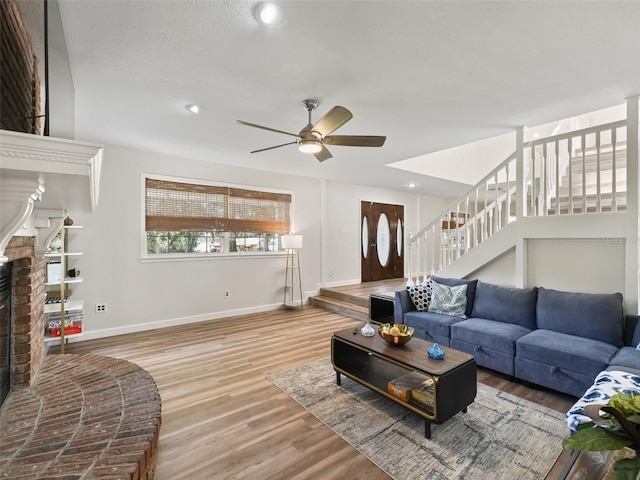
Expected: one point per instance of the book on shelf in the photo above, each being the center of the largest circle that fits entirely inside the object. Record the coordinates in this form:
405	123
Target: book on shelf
422	394
75	328
54	319
53	296
402	386
54	272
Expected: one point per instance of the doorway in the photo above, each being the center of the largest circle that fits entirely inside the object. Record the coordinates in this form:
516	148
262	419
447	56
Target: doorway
382	241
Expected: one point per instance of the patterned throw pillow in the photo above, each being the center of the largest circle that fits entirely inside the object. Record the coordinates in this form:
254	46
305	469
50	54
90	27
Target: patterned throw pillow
420	295
448	300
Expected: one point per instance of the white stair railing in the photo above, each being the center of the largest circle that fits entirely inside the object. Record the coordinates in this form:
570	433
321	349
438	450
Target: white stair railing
594	180
571	173
481	212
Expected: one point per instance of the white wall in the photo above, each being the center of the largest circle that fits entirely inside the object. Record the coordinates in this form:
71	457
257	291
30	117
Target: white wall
501	271
577	265
343	237
143	294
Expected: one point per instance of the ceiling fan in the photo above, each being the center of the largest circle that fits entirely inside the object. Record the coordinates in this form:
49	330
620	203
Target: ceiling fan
313	138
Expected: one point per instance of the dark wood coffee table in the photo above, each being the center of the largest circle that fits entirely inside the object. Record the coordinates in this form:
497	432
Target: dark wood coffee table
435	389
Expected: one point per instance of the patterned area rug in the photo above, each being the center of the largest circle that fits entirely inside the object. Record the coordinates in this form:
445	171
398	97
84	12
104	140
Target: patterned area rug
500	437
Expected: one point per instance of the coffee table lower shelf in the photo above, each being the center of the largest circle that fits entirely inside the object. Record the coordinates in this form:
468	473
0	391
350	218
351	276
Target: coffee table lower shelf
373	363
427	422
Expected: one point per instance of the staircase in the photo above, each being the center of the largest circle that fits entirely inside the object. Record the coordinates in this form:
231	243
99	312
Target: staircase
345	304
587	185
573	173
353	300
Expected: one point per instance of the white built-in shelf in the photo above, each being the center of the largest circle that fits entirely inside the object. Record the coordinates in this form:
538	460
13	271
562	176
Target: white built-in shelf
66	254
69	306
49	339
66	280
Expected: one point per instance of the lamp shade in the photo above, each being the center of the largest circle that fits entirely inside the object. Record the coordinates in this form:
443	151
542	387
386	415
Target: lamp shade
292	241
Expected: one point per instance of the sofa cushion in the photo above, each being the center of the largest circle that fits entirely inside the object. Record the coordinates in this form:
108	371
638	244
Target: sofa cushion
436	324
627	357
454	282
569	352
597	316
448	300
563	380
495	335
504	304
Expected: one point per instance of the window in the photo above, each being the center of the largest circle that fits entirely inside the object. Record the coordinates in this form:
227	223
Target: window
201	218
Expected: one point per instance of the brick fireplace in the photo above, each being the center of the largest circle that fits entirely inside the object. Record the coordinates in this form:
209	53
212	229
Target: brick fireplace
26	316
69	416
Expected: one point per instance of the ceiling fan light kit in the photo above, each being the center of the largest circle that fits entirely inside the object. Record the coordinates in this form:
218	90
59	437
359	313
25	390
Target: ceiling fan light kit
312	138
309	146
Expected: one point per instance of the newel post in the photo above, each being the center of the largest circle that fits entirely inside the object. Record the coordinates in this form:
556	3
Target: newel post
632	253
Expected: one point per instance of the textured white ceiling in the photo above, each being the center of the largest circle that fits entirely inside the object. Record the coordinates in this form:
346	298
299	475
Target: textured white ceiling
429	75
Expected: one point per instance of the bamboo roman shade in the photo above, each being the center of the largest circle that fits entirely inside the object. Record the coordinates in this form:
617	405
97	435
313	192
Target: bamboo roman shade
176	206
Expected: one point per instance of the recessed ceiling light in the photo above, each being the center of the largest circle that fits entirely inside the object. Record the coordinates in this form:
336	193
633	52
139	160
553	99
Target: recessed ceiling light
193	108
411	185
268	14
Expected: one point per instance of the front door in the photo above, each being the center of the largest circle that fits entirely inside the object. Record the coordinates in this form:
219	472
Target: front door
382	241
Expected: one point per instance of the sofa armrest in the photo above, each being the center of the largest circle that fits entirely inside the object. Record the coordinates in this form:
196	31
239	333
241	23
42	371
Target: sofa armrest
631	331
401	305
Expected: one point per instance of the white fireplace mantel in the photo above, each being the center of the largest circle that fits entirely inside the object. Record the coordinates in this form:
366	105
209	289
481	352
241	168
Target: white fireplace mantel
50	170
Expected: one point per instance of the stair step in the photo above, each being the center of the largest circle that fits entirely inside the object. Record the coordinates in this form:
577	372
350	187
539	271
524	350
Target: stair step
591	164
591	198
340	306
590	209
361	301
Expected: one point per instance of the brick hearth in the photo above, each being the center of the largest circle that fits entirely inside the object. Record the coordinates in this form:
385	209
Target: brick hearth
84	416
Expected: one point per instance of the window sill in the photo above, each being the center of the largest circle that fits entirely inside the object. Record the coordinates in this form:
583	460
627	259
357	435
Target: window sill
187	257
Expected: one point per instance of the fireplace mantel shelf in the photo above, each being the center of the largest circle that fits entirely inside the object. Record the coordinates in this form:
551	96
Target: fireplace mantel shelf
31	165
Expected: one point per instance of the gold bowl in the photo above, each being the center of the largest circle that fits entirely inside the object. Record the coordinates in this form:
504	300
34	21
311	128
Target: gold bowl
396	334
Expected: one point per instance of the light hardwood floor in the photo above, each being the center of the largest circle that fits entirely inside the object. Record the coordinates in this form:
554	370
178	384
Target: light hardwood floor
222	419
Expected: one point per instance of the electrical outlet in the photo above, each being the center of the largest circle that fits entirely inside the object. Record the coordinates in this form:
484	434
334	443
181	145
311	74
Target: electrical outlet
101	307
226	294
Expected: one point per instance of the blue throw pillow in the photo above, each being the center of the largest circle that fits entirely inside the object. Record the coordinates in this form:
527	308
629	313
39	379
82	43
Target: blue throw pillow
448	300
420	295
454	282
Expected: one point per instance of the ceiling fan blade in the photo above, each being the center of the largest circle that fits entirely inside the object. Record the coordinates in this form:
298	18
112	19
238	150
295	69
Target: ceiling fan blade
266	128
323	154
335	118
271	148
355	140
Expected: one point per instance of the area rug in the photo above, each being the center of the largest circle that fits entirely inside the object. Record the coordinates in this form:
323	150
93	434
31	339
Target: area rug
500	437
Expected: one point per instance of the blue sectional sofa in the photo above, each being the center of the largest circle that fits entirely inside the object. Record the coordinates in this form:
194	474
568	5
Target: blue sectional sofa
560	340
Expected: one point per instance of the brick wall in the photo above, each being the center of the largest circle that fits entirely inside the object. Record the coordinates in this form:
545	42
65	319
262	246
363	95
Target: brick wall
28	295
19	82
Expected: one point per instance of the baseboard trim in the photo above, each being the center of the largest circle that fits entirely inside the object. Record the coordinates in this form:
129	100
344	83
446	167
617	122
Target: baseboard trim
172	322
341	283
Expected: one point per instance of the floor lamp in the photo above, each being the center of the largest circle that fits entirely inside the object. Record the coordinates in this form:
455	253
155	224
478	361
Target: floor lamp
293	279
